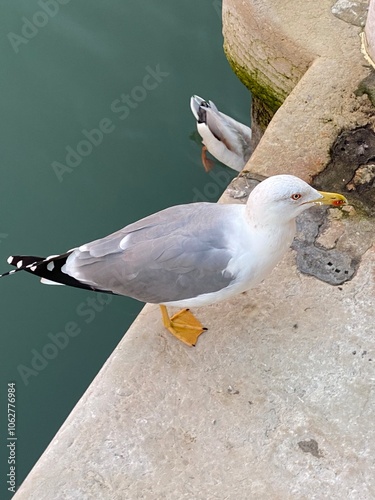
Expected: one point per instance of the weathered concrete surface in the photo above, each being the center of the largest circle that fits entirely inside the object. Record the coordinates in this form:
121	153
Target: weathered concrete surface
277	400
370	33
300	50
234	417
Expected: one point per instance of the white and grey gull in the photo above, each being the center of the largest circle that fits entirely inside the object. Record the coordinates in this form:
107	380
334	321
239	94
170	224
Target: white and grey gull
225	138
188	255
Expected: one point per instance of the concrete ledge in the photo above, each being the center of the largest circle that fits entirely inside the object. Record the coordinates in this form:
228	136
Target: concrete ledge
262	49
277	399
299	54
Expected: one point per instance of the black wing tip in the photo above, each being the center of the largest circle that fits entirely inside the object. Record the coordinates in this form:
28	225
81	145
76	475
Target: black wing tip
202	115
40	266
21	262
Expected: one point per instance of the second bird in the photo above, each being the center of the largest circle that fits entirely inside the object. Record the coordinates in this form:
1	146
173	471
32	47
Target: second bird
225	138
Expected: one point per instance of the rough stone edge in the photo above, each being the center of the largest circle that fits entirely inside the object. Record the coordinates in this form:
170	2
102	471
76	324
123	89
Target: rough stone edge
244	22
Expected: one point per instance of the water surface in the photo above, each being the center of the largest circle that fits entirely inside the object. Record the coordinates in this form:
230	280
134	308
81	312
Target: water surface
72	77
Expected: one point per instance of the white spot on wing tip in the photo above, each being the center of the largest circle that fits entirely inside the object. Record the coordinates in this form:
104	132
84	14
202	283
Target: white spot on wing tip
45	281
10	259
50	266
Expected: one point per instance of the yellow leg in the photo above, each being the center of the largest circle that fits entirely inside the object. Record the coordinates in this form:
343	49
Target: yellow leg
183	325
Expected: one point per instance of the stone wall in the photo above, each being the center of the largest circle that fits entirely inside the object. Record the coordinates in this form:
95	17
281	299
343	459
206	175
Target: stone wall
370	32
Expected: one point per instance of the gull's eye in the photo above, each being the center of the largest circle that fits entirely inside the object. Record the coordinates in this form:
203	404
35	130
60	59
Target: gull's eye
296	196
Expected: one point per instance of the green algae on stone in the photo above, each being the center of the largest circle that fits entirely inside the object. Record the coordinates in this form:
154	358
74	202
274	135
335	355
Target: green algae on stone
265	100
253	81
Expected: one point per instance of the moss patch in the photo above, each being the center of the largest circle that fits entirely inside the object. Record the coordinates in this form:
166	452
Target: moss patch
253	81
265	100
261	114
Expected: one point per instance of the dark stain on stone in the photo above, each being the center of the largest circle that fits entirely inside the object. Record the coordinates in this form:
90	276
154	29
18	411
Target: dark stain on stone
331	266
312	447
261	115
351	170
328	265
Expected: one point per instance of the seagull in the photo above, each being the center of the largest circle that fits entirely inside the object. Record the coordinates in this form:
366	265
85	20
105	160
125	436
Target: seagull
223	137
188	255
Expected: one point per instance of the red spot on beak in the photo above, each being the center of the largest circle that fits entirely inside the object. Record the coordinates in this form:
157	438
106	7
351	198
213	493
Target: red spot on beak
338	203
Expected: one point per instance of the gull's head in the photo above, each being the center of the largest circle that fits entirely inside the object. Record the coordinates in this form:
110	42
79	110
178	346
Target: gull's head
281	198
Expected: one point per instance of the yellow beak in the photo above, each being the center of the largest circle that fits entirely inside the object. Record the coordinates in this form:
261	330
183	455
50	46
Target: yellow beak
334	199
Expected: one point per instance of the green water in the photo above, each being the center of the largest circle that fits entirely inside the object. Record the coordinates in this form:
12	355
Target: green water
111	80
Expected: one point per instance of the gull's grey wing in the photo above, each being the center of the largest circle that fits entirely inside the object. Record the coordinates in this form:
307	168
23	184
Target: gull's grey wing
175	254
234	135
211	116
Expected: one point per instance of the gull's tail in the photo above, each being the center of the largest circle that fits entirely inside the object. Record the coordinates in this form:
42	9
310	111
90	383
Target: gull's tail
49	269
